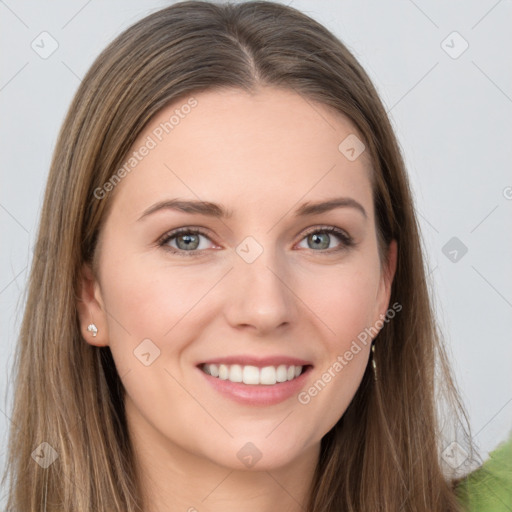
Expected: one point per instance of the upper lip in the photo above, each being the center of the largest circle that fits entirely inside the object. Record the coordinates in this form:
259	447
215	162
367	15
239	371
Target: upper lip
260	362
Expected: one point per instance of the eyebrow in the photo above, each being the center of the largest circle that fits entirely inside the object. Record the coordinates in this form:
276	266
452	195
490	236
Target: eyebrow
218	211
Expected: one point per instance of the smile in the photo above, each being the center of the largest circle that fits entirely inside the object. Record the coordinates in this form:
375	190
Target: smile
252	375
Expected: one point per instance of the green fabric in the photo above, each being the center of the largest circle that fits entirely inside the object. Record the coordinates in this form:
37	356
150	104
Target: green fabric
489	488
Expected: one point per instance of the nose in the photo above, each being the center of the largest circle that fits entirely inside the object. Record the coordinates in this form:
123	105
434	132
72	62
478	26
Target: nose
261	295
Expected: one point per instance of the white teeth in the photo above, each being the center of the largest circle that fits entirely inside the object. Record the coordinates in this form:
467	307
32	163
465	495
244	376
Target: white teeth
268	375
223	372
281	373
253	375
235	373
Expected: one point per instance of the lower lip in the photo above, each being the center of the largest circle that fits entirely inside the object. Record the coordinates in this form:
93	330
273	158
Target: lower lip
261	394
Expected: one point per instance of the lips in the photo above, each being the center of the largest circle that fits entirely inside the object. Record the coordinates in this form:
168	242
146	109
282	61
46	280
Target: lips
254	380
258	394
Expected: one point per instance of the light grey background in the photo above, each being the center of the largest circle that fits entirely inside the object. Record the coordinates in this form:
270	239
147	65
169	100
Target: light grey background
452	114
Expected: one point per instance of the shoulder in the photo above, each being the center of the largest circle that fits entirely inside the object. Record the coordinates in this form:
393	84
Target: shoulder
489	488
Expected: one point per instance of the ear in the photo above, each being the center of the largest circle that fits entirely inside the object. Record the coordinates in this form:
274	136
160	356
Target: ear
90	308
386	281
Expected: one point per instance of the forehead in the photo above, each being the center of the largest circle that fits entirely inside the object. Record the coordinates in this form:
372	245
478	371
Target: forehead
272	148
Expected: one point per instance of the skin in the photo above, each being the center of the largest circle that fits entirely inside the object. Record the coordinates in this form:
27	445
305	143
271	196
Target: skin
262	156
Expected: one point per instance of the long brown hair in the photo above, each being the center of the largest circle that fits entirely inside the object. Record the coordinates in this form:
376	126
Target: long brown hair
385	451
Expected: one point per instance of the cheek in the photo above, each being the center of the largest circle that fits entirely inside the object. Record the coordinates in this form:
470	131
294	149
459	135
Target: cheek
148	300
344	298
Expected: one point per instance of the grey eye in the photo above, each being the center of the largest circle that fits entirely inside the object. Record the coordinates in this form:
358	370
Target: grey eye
190	241
319	240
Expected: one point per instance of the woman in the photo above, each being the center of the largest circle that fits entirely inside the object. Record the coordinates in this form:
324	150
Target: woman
228	306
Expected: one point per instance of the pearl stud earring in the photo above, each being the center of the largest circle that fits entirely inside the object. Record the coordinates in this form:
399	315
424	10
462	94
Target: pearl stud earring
92	329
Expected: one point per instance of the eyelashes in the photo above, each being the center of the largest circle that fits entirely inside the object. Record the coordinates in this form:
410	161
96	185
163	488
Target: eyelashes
181	232
346	241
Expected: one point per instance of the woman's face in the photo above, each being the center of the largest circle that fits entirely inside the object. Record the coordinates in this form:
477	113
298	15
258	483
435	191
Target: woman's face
255	292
